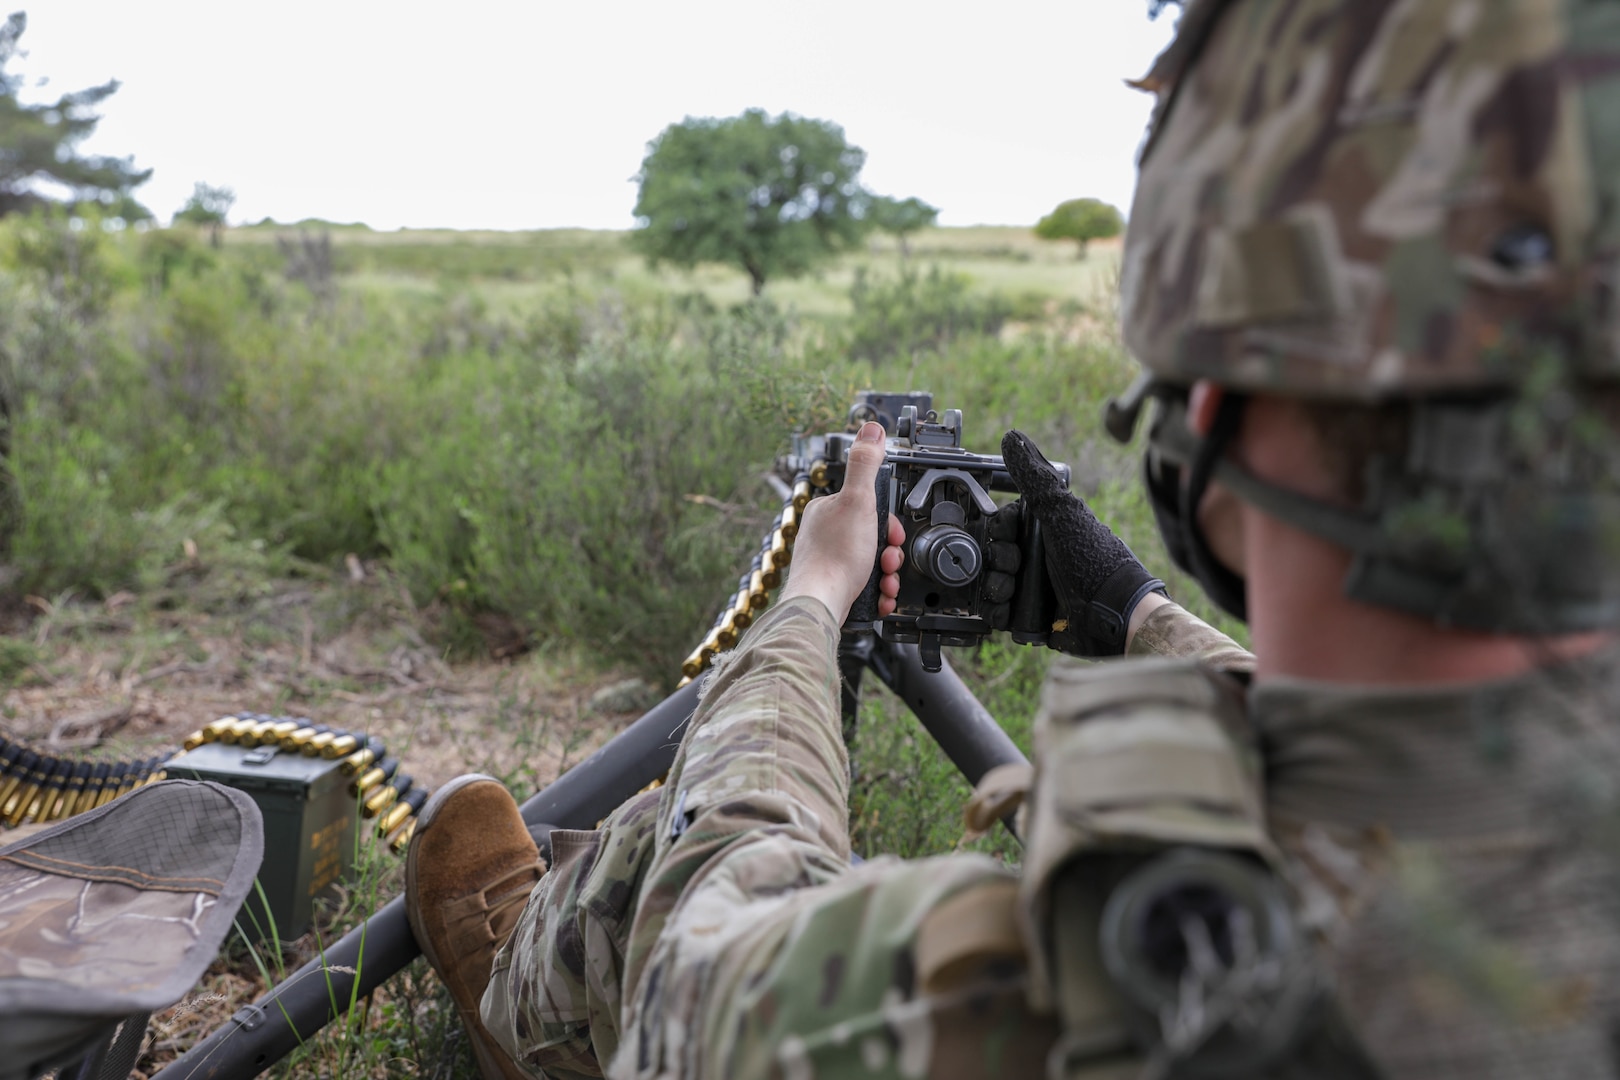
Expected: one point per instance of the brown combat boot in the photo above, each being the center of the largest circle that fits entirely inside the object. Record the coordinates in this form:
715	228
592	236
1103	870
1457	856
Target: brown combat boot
469	870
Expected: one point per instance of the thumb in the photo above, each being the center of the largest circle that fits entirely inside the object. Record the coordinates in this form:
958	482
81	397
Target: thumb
865	458
1031	472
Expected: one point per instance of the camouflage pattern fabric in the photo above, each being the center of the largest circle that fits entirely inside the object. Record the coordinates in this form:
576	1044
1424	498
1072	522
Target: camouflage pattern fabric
1380	197
116	913
1454	851
755	948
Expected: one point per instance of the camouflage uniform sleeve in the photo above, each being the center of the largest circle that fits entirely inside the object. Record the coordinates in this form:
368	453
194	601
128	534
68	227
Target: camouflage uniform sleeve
756	949
1174	633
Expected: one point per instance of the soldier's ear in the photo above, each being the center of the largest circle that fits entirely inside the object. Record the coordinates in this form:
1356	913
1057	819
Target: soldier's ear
1203	402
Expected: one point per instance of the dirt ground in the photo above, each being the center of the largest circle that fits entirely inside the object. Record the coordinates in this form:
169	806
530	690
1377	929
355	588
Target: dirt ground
130	677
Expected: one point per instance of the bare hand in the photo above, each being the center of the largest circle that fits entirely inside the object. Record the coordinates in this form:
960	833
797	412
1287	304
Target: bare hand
832	557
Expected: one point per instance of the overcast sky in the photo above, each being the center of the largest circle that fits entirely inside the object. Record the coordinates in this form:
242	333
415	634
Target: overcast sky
510	115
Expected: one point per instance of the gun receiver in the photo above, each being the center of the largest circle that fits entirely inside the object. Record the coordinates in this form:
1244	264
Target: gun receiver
962	548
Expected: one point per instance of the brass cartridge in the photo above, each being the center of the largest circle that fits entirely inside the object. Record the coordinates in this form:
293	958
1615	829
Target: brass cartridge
742	612
379	800
801	493
237	729
393	818
375	776
694	664
115	779
357	761
790	523
342	746
216	728
282	728
92	789
23	795
781	551
759	597
260	734
316	746
195	739
72	788
402	838
15	777
298	737
818	473
726	634
44	800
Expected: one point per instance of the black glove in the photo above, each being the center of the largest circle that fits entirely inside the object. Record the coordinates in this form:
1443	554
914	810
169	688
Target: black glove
1097	579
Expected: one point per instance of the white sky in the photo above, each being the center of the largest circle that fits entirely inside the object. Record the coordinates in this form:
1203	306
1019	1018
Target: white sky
508	115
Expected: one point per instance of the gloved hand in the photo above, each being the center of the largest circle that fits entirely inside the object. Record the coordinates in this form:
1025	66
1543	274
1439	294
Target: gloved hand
1094	574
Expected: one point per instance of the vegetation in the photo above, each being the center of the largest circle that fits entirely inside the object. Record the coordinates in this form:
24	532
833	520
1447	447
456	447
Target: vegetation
1081	220
901	218
207	207
524	441
775	196
39	144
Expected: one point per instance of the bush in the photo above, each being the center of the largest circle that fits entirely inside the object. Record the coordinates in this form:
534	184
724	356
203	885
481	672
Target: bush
918	312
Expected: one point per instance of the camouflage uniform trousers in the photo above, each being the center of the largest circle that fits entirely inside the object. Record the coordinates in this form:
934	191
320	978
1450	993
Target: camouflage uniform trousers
716	927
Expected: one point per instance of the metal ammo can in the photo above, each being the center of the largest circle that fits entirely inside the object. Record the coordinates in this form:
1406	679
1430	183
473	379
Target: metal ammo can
310	827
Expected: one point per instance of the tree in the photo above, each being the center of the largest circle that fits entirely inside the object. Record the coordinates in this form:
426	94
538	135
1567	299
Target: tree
772	195
38	143
208	206
902	217
1081	220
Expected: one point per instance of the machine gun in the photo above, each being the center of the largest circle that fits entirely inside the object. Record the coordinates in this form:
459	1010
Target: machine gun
972	566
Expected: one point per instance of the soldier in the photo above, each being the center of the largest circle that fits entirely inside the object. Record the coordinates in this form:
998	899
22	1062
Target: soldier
1371	274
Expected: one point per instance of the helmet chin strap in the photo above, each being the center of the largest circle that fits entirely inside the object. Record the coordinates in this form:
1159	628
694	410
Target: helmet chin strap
1226	588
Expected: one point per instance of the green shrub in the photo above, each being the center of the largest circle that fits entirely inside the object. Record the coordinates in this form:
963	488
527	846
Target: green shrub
918	312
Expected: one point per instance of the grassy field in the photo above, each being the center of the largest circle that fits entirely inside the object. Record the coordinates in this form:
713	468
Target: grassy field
478	493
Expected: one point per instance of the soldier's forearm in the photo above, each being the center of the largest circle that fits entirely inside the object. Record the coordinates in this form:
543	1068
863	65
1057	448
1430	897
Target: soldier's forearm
1172	631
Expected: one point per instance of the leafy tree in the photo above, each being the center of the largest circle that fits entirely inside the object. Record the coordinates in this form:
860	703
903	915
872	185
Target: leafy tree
902	217
207	206
772	195
1081	220
38	143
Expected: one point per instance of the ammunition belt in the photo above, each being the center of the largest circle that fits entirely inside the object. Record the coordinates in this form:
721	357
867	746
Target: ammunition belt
765	574
36	787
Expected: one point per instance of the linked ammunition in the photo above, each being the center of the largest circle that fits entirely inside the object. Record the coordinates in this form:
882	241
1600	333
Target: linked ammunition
372	777
742	613
317	746
299	736
769	575
237	728
114	782
818	473
790	523
212	731
694	664
781	551
15	777
402	838
71	790
801	493
759	597
726	634
361	758
342	746
408	804
92	788
17	803
45	798
384	797
282	728
259	734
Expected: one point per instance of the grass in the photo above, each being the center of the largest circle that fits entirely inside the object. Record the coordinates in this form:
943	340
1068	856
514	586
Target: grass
544	457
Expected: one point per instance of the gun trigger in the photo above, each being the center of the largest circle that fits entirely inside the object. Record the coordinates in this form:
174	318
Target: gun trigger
928	647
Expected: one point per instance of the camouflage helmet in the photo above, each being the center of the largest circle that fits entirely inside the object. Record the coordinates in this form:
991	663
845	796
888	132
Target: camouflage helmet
1379	199
1409	200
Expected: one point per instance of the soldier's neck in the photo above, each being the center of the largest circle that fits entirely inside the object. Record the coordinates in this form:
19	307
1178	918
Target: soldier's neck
1303	626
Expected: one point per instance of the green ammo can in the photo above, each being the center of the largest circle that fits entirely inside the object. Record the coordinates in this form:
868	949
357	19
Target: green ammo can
310	826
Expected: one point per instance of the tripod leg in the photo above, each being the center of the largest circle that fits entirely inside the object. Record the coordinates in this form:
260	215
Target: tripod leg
854	652
947	710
